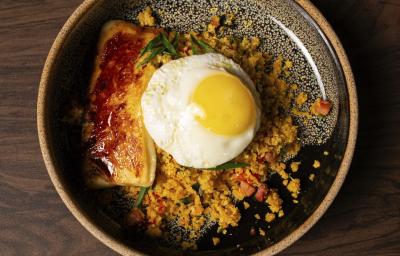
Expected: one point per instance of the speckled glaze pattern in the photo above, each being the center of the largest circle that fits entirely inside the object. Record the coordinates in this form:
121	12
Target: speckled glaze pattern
282	25
258	18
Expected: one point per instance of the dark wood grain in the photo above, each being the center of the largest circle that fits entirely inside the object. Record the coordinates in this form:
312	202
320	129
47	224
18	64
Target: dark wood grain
363	220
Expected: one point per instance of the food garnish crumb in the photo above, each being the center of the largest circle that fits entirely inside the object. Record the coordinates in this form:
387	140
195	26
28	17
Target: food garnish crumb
146	18
281	214
295	166
326	153
257	216
316	164
274	201
216	241
297	112
229	19
311	177
294	186
213	10
269	217
247	23
262	232
301	99
246	205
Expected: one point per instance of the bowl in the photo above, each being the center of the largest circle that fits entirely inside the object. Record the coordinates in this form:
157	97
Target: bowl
294	29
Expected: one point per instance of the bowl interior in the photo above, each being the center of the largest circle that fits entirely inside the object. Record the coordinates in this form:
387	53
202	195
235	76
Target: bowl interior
286	29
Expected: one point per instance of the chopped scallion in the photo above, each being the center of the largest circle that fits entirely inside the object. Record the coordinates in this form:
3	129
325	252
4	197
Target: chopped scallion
143	191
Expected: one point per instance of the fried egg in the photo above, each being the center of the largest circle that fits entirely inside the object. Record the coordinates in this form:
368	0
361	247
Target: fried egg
202	109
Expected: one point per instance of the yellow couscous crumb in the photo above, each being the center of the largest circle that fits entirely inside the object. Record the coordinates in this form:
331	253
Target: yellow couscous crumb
316	164
274	201
257	216
281	214
216	241
247	23
294	186
229	19
261	231
269	217
295	201
288	64
214	24
146	18
213	10
326	153
311	177
297	112
285	182
301	99
246	205
294	166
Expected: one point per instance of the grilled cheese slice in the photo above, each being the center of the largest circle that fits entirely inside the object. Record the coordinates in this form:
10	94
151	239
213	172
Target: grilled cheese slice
118	149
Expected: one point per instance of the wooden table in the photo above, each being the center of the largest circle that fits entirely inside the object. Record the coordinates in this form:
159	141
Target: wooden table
363	220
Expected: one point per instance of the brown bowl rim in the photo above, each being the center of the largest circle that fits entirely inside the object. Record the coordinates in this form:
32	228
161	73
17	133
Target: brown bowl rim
123	249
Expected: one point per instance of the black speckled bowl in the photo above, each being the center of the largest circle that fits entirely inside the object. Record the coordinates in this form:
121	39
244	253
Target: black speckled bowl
293	29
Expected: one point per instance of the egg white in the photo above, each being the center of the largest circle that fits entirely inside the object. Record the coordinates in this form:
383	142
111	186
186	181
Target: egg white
169	115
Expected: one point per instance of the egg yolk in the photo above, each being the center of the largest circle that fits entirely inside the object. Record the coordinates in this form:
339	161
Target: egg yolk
227	105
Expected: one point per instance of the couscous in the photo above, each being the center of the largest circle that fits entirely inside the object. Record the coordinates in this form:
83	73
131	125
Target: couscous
193	198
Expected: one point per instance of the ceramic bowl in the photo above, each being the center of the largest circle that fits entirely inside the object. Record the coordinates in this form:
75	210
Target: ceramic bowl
293	29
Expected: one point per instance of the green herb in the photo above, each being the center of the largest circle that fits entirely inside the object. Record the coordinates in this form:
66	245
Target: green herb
198	189
194	48
151	45
143	191
153	54
186	200
202	44
158	45
167	44
196	186
175	42
229	165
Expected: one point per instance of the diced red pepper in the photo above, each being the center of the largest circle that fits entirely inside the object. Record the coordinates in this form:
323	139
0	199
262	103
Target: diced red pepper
161	206
134	217
257	176
246	188
239	177
323	108
261	192
270	157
